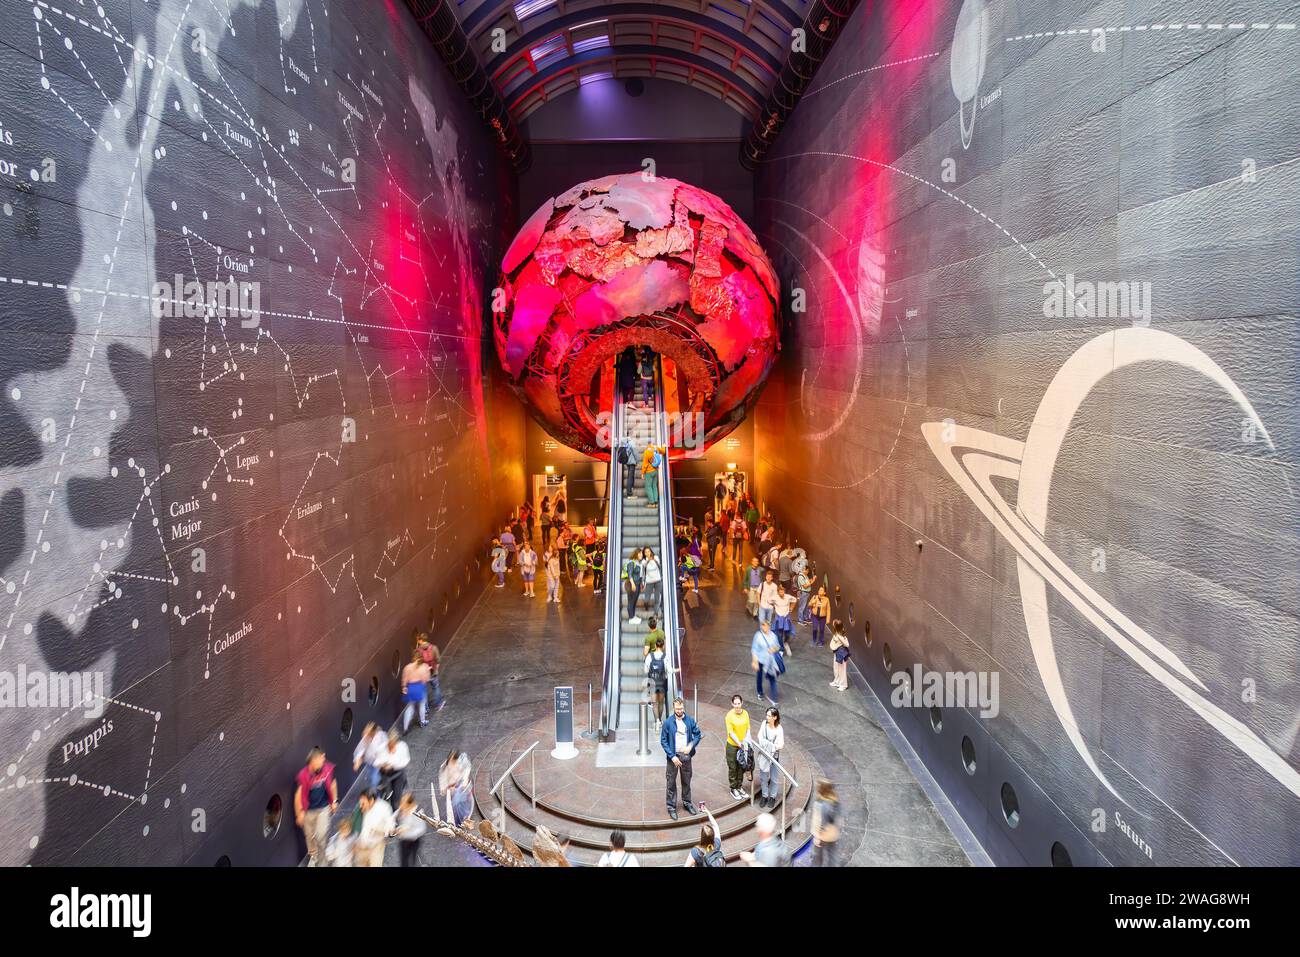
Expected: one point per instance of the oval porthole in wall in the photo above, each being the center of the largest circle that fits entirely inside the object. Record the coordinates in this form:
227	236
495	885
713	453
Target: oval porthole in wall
271	819
446	603
1010	805
457	592
887	657
936	719
837	596
866	633
968	754
852	620
469	574
223	861
397	663
373	695
1061	856
345	727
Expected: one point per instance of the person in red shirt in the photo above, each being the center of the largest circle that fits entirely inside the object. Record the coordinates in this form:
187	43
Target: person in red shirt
315	800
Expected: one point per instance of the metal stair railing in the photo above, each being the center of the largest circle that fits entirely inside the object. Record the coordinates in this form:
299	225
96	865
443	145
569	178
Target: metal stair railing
668	544
612	631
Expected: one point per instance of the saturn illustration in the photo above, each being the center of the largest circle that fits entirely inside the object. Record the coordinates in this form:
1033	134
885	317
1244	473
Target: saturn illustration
970	46
974	459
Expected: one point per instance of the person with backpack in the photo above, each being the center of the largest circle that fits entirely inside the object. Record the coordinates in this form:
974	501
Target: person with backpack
840	653
617	855
656	670
652	579
597	559
737	724
720	494
579	563
632	579
432	660
646	366
544	517
509	543
825	824
315	800
651	461
764	654
739	532
771	738
499	562
708	852
772	558
626	457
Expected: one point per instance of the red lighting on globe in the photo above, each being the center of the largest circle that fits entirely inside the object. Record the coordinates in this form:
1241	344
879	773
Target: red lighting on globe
625	260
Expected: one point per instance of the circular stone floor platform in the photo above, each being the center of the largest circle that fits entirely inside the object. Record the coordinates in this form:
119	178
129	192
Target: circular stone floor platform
585	798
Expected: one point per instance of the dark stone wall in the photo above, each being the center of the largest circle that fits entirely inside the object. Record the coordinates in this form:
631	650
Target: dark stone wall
232	521
1093	500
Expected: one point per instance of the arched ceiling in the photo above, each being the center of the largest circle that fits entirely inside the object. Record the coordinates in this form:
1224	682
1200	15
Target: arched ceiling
732	49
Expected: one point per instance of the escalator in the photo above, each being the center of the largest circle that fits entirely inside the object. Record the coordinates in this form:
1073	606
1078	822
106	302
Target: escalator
635	525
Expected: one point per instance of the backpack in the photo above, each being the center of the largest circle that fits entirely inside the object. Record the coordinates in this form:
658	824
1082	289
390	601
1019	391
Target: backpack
624	455
713	857
773	558
632	571
658	672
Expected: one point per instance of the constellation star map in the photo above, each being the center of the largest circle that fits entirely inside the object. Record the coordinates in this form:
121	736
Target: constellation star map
215	517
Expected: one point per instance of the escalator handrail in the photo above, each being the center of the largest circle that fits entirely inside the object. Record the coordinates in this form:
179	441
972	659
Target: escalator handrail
667	543
613	576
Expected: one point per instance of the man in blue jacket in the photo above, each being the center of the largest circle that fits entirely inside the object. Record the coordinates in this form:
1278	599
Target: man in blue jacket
679	737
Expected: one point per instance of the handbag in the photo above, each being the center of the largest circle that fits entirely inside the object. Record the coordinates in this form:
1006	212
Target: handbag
744	758
779	661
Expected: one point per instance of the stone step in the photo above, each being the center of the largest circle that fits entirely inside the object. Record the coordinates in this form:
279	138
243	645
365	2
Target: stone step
656	843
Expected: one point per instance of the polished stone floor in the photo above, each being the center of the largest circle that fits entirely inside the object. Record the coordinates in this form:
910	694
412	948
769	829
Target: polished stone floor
509	654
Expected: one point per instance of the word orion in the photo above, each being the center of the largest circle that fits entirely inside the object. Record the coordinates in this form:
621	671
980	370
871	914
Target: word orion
77	910
193	299
946	689
53	689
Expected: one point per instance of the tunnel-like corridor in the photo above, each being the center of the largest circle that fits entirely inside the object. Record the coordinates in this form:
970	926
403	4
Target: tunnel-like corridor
924	372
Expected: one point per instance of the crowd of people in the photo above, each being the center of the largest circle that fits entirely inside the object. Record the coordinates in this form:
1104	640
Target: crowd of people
568	554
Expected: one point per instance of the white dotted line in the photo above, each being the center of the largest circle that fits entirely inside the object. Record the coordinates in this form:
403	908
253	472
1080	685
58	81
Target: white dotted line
880	66
1152	28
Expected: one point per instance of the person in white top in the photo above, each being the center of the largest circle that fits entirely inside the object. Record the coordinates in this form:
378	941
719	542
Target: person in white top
372	744
376	824
771	739
392	763
768	593
617	855
652	578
